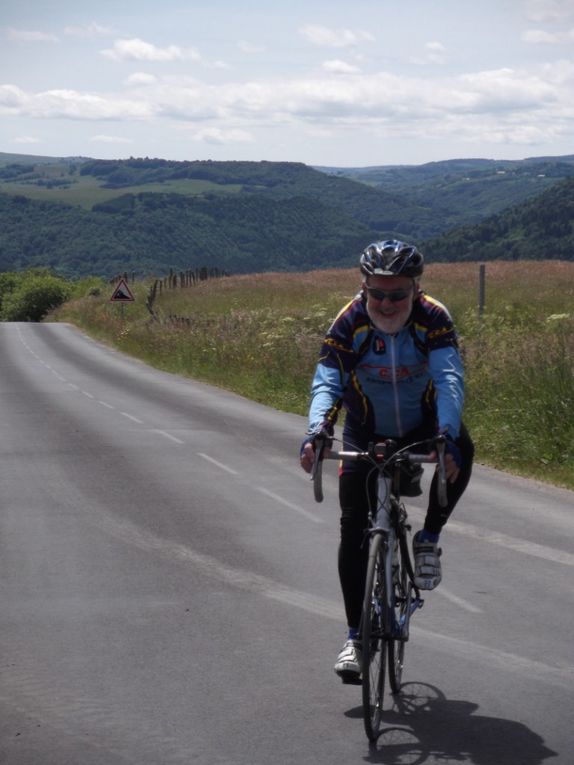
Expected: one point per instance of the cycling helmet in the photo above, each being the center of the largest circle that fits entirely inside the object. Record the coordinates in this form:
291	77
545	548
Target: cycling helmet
391	258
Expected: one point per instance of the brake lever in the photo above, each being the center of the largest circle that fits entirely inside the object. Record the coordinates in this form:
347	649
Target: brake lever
317	471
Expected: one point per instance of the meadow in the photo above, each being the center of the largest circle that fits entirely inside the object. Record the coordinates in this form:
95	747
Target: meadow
259	335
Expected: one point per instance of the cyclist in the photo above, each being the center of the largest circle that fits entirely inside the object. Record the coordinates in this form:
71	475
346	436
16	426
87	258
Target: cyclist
391	359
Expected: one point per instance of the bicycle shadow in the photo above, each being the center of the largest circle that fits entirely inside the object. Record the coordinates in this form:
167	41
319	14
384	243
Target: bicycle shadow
423	725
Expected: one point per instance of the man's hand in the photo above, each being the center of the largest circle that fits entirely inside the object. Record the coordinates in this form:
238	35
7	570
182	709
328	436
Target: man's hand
307	457
307	454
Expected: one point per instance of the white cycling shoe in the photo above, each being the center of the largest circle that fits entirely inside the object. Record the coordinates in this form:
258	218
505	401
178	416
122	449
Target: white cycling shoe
348	664
428	573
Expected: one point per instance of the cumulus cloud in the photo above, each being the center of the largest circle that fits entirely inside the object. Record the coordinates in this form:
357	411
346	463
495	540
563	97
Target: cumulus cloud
26	140
552	38
549	10
141	78
70	104
340	67
29	35
93	29
523	105
334	38
219	136
140	50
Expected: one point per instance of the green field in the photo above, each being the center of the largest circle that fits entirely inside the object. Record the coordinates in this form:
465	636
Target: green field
86	191
259	335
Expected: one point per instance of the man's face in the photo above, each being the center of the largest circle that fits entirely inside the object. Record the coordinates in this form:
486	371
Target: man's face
389	315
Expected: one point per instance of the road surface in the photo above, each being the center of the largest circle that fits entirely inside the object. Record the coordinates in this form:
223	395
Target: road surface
169	592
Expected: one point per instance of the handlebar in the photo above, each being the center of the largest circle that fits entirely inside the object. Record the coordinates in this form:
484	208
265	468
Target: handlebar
376	455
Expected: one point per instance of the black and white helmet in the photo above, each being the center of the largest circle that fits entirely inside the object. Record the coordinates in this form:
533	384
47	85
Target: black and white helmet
392	258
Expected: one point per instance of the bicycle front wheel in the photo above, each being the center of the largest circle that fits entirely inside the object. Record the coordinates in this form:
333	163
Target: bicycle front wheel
402	599
374	646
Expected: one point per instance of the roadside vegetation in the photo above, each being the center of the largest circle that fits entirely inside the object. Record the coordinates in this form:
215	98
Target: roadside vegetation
259	335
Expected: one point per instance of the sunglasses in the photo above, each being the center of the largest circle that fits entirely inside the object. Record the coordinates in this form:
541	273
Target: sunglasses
395	296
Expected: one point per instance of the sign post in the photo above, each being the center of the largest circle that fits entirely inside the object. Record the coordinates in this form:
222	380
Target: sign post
122	295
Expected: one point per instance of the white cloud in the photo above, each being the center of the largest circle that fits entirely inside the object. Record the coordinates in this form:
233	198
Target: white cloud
70	104
552	38
340	67
334	38
549	10
93	29
139	50
141	78
512	105
29	35
109	139
219	136
26	140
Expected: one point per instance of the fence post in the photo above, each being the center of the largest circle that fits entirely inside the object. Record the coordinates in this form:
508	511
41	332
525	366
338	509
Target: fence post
481	289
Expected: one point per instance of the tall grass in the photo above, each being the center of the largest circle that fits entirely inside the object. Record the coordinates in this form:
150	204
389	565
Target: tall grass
259	335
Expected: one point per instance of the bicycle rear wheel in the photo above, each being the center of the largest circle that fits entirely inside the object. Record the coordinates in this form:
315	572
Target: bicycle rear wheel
401	612
374	645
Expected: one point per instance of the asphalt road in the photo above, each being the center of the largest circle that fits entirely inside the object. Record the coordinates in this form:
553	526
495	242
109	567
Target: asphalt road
169	594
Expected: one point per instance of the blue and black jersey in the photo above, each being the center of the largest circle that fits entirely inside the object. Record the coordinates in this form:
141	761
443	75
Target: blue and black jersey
389	384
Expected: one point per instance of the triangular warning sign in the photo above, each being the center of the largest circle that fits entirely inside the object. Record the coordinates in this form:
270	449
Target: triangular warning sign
122	293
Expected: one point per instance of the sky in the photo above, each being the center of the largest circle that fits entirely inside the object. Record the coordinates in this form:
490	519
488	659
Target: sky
329	83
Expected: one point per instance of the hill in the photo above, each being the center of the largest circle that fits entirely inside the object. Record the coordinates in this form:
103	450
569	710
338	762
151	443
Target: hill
541	228
82	216
463	191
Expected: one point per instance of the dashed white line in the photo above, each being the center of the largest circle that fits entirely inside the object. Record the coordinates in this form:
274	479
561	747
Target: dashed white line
215	462
131	417
169	436
105	403
460	602
290	505
87	395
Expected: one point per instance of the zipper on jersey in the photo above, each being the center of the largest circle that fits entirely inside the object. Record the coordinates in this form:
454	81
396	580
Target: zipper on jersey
395	386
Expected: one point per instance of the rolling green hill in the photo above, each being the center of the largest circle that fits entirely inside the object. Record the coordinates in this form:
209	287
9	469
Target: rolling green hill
541	228
463	191
82	216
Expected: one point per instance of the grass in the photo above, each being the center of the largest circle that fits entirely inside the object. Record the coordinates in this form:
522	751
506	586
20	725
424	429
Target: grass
86	191
259	335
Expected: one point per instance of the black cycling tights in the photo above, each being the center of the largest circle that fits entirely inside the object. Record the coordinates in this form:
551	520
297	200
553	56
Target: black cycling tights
353	549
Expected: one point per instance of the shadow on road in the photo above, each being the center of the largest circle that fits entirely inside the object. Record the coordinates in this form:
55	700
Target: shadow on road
423	726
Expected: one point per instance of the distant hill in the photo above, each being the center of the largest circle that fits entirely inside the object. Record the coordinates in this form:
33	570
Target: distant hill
463	191
83	216
541	228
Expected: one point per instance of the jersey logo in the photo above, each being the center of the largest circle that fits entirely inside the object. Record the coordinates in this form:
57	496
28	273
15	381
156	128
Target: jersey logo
379	346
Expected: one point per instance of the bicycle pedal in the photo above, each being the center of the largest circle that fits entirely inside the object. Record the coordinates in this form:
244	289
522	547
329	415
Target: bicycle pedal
351	678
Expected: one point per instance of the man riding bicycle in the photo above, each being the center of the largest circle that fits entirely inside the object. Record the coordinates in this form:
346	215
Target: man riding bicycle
391	359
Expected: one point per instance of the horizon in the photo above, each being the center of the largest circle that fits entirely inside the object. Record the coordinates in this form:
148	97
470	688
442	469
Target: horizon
79	157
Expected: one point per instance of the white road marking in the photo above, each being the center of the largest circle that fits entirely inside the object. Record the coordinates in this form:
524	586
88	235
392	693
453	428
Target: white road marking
511	543
290	505
87	395
131	417
215	462
105	403
560	675
460	602
168	435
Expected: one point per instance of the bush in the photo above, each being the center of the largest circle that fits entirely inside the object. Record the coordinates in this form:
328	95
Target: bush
33	297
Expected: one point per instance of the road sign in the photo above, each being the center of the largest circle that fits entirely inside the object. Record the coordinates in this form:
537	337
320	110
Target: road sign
122	293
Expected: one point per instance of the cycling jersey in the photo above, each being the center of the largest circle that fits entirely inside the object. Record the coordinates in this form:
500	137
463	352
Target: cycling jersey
388	384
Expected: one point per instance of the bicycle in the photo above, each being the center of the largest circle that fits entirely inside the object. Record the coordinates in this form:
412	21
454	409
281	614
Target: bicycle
391	596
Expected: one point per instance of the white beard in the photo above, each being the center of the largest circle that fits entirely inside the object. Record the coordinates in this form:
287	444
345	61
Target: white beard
390	325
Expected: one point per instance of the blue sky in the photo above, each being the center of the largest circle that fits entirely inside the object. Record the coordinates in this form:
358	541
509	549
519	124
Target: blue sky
368	82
